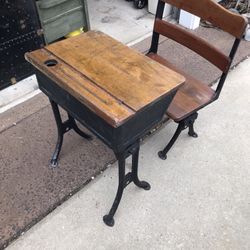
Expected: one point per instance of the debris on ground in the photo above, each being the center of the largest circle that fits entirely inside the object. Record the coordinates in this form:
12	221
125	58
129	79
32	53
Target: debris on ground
236	6
239	6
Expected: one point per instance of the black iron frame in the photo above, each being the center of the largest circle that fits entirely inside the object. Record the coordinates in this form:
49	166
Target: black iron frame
62	128
188	122
124	179
123	140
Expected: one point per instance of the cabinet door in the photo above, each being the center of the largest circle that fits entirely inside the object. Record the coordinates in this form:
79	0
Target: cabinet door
59	17
20	33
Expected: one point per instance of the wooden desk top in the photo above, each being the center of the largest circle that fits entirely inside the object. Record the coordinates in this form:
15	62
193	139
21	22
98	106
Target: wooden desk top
111	79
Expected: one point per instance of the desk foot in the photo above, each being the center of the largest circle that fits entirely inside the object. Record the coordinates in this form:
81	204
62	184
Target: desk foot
142	184
55	156
194	135
53	163
109	220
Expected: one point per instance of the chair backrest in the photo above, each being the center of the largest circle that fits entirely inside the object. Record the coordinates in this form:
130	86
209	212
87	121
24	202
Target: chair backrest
210	11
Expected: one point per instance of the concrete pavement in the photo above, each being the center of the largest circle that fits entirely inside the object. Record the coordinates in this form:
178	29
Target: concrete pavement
120	19
199	197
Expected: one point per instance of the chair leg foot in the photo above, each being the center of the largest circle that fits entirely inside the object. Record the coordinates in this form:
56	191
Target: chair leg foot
194	135
109	220
55	156
162	155
191	131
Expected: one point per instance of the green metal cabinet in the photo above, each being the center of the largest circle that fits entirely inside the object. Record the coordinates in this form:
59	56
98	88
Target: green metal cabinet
59	17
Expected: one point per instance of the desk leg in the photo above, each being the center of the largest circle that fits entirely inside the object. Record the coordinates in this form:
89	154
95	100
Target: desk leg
125	180
109	218
62	128
60	132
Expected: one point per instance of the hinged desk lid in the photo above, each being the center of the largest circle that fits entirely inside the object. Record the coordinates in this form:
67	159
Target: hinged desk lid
110	78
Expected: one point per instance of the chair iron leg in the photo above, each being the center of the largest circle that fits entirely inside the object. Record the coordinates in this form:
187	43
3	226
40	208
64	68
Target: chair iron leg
183	124
191	131
125	180
62	128
163	153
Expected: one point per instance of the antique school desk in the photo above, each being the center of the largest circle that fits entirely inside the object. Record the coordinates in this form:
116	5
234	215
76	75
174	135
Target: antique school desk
114	91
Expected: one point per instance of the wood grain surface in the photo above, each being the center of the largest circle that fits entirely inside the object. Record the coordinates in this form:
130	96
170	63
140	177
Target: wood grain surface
108	77
190	97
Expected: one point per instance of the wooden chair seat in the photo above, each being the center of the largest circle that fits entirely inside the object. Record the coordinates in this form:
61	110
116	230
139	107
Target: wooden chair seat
191	96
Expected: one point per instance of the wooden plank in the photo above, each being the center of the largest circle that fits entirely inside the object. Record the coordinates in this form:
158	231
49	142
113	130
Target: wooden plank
125	74
98	100
193	42
190	97
214	13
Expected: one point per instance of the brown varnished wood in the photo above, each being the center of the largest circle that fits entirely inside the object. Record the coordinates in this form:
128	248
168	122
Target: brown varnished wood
124	73
214	13
190	97
111	79
98	100
194	95
193	42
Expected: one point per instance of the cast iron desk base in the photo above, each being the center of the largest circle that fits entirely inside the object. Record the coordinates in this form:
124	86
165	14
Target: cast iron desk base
115	92
124	179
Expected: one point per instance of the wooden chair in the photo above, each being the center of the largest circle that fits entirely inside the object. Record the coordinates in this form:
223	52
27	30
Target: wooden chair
194	94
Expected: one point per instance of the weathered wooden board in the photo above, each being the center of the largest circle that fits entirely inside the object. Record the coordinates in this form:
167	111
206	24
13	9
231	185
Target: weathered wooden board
110	78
